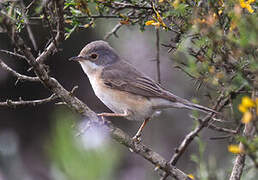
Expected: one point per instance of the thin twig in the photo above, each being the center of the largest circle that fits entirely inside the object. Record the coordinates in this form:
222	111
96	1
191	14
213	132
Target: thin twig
27	24
18	75
113	31
157	56
221	129
13	54
22	103
59	35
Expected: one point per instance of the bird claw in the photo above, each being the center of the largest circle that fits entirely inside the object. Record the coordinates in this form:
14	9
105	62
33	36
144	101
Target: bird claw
137	138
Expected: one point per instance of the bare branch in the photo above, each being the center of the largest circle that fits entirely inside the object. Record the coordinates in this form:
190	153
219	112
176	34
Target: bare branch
22	103
221	129
59	35
146	152
13	54
18	75
113	31
157	56
27	24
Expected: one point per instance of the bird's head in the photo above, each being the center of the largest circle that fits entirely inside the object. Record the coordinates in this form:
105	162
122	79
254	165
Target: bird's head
96	55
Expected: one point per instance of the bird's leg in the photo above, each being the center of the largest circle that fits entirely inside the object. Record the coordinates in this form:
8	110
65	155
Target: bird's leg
113	114
102	115
139	132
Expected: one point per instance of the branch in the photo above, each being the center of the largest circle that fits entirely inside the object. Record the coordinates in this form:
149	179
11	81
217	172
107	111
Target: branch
18	75
113	31
21	103
27	25
190	136
13	54
157	56
59	35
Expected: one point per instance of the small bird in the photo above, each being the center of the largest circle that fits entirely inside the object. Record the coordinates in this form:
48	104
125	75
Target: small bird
123	89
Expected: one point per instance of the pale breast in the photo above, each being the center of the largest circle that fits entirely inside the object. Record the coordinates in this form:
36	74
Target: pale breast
138	107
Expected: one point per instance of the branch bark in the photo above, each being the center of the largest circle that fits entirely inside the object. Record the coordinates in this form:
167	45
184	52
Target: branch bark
16	74
22	103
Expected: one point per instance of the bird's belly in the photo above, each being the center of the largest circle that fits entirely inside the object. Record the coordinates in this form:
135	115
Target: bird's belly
137	107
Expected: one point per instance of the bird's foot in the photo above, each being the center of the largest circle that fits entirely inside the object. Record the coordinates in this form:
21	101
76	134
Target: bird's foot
137	138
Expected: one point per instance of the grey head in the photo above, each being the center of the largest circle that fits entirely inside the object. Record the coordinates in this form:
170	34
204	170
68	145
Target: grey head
99	53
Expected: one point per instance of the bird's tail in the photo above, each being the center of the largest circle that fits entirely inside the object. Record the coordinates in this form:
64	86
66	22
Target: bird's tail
198	107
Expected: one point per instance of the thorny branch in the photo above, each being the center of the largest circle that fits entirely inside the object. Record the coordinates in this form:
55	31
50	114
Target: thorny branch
22	103
157	56
59	35
18	75
113	31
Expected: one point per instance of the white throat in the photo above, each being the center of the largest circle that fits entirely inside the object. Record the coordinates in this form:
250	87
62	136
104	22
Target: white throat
89	67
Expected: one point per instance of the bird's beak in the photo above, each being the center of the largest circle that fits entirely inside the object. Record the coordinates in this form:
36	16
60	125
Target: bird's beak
76	58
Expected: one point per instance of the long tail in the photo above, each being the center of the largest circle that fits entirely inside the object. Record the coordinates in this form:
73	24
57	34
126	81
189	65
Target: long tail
193	106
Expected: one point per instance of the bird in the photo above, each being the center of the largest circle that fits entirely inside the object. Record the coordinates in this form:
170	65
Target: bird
126	91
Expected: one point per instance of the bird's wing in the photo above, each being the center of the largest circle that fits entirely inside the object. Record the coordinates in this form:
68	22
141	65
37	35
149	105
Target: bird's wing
124	77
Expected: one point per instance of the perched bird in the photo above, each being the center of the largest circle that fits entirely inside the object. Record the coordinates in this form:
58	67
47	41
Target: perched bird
123	89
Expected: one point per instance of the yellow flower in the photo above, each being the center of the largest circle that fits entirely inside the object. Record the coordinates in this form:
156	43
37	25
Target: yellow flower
249	8
191	176
148	23
248	102
246	4
247	117
157	22
176	3
242	108
235	149
220	12
159	18
153	23
256	102
68	21
161	1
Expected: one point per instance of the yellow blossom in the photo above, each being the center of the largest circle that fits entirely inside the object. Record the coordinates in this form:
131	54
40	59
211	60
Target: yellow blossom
157	22
247	117
220	12
191	176
242	108
176	3
148	23
246	4
159	18
235	149
247	102
212	69
68	21
161	1
256	102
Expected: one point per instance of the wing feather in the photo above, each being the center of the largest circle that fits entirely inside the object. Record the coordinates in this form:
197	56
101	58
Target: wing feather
124	77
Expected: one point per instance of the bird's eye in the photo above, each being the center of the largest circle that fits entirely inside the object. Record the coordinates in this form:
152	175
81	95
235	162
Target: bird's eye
93	56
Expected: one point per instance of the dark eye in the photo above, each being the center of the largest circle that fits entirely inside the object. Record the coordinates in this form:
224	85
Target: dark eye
93	56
